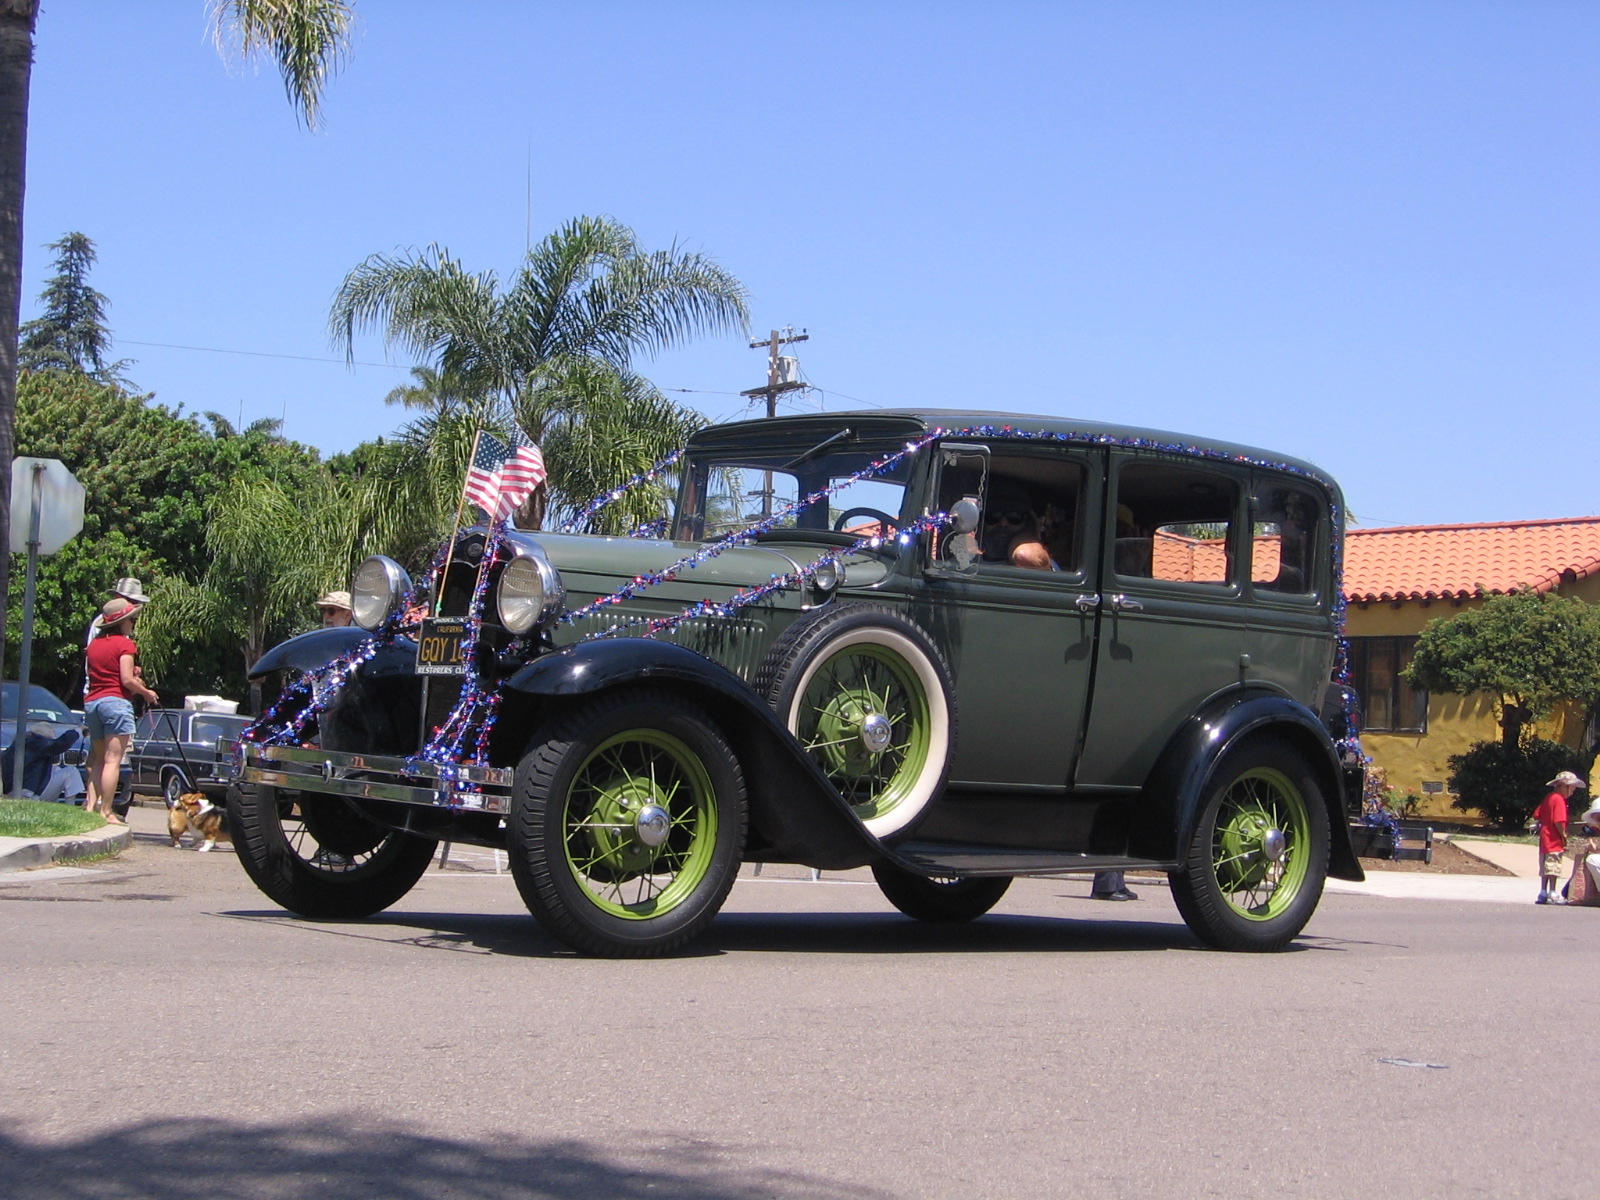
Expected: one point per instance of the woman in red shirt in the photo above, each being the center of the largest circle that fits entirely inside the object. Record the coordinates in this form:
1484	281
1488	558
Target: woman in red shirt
108	705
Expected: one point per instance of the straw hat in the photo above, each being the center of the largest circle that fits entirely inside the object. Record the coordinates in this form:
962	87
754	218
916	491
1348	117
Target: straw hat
129	588
335	600
116	610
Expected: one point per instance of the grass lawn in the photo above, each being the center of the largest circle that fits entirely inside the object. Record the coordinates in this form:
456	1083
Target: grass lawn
41	819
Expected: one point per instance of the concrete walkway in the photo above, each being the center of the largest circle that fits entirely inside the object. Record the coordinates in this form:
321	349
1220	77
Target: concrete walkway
19	854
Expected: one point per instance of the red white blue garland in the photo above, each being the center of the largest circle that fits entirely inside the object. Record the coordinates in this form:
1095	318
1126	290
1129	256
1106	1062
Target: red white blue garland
473	717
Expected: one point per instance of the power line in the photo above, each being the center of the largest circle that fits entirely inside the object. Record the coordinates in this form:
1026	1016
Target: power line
263	354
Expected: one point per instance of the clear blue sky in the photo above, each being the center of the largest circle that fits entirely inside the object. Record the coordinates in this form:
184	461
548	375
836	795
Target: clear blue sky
1364	234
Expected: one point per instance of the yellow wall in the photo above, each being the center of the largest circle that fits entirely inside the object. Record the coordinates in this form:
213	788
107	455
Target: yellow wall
1454	722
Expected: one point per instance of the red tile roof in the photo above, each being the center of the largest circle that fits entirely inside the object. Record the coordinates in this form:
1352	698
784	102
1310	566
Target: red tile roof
1436	562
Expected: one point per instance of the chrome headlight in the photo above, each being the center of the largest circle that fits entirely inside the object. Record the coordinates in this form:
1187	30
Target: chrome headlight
529	592
827	575
379	586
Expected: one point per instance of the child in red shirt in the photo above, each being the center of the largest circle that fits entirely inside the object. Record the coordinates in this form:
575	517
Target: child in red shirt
1550	818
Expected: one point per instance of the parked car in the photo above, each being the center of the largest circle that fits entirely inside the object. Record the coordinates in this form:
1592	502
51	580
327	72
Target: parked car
954	647
47	717
174	751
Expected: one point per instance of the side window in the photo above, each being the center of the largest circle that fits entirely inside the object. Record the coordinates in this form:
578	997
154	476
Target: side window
1284	538
1031	512
1175	523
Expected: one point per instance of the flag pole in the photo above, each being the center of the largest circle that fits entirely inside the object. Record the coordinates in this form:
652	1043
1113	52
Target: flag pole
455	525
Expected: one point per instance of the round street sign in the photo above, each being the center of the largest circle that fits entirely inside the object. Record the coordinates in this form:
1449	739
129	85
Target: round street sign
60	503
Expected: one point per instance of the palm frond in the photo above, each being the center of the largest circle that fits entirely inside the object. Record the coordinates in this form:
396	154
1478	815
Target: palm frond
308	39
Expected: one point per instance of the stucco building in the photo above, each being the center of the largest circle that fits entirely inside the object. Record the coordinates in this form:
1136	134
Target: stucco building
1397	580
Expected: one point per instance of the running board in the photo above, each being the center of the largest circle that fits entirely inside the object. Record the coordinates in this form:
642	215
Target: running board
950	858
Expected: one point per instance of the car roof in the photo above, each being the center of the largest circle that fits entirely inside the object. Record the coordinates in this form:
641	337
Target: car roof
902	422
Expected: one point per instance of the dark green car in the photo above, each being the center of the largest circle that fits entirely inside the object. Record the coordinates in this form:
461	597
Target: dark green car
956	647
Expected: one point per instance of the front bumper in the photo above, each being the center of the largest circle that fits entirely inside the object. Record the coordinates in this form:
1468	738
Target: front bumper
375	777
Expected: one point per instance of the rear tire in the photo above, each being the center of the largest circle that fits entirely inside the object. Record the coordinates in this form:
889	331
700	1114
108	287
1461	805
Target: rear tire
319	857
1255	864
942	901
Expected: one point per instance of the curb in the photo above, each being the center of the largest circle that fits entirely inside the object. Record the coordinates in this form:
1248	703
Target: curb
18	854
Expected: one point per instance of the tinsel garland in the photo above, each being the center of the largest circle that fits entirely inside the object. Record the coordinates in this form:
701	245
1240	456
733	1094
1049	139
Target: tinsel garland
477	709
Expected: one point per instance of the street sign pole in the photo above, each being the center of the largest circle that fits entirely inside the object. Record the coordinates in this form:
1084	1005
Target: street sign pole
54	517
19	739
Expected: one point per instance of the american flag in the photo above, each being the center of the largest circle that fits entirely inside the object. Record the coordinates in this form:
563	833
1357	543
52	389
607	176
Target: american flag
501	477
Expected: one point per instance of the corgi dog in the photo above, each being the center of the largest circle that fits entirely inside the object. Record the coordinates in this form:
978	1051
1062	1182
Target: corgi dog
195	814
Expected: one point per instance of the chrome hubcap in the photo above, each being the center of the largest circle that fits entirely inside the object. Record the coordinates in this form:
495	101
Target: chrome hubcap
876	732
652	825
1274	845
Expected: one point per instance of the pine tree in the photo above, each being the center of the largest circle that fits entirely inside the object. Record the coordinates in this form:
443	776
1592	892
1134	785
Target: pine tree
71	334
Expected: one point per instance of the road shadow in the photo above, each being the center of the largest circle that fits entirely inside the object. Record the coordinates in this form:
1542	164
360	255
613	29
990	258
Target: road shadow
346	1155
890	933
518	936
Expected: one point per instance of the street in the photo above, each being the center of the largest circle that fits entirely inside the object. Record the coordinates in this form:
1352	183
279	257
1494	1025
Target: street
170	1033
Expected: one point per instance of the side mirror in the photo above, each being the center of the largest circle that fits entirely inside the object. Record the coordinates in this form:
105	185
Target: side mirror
964	515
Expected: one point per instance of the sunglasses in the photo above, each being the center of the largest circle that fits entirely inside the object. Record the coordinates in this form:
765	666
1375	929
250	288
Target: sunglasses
1013	520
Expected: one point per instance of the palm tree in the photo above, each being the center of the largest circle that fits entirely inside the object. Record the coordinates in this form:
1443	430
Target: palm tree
559	338
307	38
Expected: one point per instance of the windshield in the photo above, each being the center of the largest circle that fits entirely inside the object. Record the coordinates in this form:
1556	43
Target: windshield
42	706
731	490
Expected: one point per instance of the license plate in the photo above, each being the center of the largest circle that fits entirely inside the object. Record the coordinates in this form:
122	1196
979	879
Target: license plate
439	646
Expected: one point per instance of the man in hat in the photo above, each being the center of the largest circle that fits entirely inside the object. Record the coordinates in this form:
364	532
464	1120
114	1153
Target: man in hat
335	609
1550	819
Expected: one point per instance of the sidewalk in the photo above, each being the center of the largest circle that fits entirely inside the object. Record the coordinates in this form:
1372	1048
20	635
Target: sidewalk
18	854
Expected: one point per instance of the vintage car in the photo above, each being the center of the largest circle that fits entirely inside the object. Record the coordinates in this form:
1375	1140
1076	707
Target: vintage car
954	647
174	751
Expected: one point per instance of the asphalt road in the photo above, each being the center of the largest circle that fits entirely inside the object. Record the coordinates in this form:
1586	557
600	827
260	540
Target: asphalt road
169	1033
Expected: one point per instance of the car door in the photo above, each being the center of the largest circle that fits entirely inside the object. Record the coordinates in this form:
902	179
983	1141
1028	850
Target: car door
1174	623
1019	640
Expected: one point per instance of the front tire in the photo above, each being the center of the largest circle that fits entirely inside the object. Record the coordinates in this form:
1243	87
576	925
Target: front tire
1255	864
319	857
627	825
941	901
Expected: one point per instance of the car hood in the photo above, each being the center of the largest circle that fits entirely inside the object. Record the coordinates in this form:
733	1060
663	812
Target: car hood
592	567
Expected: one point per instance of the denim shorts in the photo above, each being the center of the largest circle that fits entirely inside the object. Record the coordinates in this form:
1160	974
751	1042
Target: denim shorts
108	716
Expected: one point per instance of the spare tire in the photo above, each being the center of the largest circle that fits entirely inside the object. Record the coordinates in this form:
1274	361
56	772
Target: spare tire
868	695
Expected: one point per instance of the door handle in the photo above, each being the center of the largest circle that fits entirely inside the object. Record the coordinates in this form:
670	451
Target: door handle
1087	603
1121	603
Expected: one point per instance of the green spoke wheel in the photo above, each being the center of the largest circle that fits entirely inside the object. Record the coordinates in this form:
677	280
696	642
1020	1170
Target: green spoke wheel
868	696
628	825
319	857
1258	856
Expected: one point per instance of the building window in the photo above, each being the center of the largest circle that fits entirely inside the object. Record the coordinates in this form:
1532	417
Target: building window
1388	705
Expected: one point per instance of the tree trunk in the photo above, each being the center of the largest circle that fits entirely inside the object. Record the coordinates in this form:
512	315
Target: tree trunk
1512	719
17	19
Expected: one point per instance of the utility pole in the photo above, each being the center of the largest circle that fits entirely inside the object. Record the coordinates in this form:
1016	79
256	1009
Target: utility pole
777	368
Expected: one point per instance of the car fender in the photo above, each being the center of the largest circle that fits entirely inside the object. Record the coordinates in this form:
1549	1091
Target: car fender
795	813
1170	801
309	651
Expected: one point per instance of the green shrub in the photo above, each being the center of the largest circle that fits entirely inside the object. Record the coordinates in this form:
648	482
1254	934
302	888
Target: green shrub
1506	783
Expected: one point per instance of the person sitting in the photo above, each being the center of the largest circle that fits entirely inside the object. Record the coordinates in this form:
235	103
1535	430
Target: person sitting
1011	528
42	777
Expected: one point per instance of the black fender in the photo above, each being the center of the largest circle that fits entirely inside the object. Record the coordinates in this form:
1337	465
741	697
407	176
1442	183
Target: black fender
1170	802
318	648
310	650
796	815
379	708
